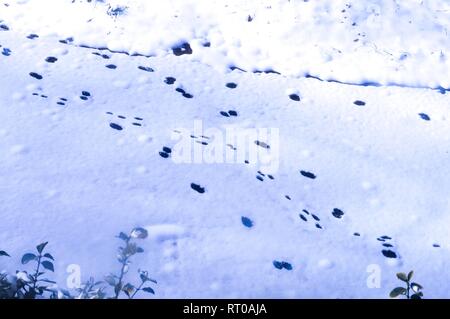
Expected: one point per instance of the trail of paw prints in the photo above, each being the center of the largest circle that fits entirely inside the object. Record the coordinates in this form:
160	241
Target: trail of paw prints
119	121
387	250
308	217
62	101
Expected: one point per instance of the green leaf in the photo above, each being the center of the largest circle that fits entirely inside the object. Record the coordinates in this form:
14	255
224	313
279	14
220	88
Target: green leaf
48	265
128	289
139	232
410	275
4	253
397	292
149	290
402	276
123	236
28	257
47	255
41	247
110	280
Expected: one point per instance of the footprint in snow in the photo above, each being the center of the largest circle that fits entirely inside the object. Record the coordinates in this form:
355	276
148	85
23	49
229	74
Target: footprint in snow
231	85
229	113
294	97
35	75
197	188
170	80
424	116
359	103
247	222
51	59
260	176
308	174
282	264
337	213
135	121
85	95
6	52
184	93
184	48
166	151
146	68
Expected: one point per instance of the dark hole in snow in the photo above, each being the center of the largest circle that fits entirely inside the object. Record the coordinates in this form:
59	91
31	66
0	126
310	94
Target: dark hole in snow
163	154
277	264
185	48
51	59
424	116
318	226
84	98
389	253
198	188
6	52
286	265
223	113
232	113
60	103
387	245
294	97
359	103
85	93
136	124
231	85
115	126
288	197
356	234
260	178
303	217
170	80
270	176
436	245
180	90
111	66
4	27
139	118
262	144
36	75
308	174
385	237
145	68
121	117
337	213
32	36
247	222
167	149
315	217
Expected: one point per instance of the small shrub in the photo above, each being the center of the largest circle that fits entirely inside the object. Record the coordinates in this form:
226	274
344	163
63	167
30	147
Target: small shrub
34	284
412	290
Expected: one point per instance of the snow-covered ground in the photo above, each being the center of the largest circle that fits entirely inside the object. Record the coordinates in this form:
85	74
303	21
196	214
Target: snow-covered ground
348	182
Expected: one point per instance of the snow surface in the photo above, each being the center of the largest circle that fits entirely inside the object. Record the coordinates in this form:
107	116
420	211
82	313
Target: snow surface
69	177
376	41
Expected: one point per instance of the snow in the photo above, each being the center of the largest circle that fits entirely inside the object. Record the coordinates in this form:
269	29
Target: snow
71	177
375	41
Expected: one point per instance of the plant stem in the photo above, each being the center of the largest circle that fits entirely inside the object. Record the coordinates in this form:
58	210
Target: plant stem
122	272
138	288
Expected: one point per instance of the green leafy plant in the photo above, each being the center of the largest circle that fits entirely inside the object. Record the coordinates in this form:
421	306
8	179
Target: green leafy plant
127	251
34	284
412	290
